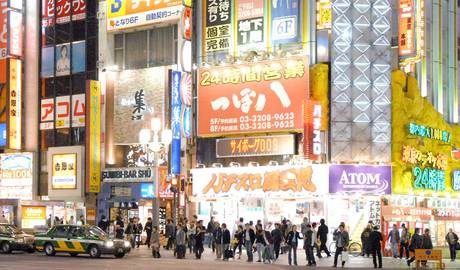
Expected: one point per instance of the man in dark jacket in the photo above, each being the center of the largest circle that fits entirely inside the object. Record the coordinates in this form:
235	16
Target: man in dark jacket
452	241
210	231
226	237
104	224
415	243
309	243
323	231
148	229
170	234
249	239
374	246
277	239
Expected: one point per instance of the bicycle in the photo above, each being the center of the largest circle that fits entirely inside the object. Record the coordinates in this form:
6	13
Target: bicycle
354	248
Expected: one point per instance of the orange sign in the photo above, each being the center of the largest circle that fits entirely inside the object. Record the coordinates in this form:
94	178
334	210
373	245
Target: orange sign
34	212
257	97
406	28
312	143
428	254
404	212
164	186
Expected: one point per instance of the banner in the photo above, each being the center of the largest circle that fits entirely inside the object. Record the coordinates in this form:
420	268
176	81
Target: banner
133	13
407	35
374	180
217	25
15	105
62	10
273	181
312	141
15	33
285	21
16	171
176	109
139	95
93	136
250	23
259	97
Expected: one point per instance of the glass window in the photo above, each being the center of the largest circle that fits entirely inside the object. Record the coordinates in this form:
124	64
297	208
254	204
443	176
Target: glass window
78	30
48	88
60	231
77	231
136	50
62	137
78	136
78	83
63	33
47	139
48	36
62	86
163	46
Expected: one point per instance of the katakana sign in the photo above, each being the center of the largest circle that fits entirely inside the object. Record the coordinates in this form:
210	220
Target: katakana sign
60	10
259	97
218	25
255	146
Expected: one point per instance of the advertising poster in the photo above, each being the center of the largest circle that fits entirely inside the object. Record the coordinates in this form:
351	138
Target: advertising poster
407	35
33	216
324	14
15	33
2	134
62	58
93	136
176	109
47	67
78	57
15	107
360	179
164	186
47	114
139	95
285	17
64	171
148	190
16	172
63	110
250	23
259	97
218	25
261	181
78	110
133	13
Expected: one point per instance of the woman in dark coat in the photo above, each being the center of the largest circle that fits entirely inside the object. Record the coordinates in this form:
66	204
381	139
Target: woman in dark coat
199	241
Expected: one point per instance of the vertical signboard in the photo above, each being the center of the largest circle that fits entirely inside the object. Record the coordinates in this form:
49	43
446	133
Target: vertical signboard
186	22
3	63
78	110
285	21
218	25
312	143
63	109
14	102
176	109
323	14
250	23
407	33
47	114
64	174
93	136
15	33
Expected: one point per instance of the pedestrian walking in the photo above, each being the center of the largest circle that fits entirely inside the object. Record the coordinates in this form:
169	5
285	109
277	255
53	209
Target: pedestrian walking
103	223
191	233
404	242
180	242
226	237
210	234
155	242
238	241
365	240
277	240
199	238
129	232
217	240
375	247
268	254
394	238
260	242
303	226
342	240
309	243
426	243
119	227
137	231
249	239
170	234
323	231
148	228
292	240
314	228
416	242
452	242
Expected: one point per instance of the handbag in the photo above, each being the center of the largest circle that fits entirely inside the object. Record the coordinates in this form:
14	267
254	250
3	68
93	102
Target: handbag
457	246
344	256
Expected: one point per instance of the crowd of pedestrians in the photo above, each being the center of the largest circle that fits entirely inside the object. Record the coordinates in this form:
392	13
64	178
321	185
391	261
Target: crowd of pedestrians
268	242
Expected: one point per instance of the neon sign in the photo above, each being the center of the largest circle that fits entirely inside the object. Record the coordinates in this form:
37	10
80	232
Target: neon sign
430	133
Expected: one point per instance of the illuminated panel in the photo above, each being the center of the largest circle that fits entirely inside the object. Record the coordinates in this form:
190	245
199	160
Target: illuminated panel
361	92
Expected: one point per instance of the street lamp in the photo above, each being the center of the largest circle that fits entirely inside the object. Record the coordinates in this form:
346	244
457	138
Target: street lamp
157	145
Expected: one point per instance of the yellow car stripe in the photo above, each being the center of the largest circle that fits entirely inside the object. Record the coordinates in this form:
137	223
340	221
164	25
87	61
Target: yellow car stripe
78	246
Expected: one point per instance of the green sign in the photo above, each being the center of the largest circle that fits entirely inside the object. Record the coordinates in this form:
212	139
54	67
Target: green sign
430	133
429	178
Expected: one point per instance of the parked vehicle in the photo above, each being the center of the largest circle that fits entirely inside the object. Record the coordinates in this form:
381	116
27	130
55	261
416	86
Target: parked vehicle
12	238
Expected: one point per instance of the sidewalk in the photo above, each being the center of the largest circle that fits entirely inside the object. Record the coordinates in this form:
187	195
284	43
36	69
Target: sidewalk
354	262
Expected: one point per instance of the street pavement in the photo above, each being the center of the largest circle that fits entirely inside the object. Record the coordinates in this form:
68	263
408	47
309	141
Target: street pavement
140	259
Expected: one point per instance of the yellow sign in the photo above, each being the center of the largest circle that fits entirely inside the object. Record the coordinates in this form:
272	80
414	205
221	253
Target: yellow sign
33	216
15	112
428	254
64	171
324	14
94	137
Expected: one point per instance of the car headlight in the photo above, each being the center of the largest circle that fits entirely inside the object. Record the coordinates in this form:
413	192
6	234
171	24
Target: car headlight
127	244
109	244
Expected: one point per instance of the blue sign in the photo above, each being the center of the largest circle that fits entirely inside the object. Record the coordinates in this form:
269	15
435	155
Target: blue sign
285	18
176	108
147	190
456	181
78	57
2	134
186	121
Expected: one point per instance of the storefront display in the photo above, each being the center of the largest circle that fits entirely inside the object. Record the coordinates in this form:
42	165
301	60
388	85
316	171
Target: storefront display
33	216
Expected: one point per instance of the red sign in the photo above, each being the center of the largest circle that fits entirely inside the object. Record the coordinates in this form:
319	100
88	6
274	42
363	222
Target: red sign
164	186
15	33
404	212
446	214
406	28
257	97
312	143
187	23
62	11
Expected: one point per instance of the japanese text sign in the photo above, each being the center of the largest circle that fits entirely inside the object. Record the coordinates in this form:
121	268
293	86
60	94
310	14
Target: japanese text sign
407	35
312	142
285	18
456	180
250	22
60	11
187	23
323	14
255	146
259	97
429	132
176	109
16	180
218	25
93	136
15	101
124	14
64	171
16	32
366	179
258	181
